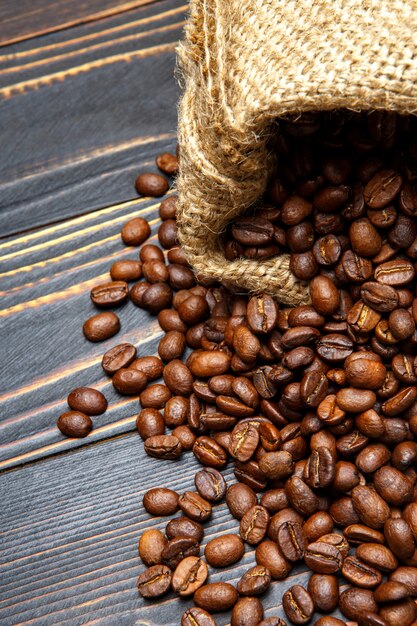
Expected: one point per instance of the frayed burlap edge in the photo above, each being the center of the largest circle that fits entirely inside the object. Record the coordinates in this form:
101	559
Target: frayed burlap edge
240	75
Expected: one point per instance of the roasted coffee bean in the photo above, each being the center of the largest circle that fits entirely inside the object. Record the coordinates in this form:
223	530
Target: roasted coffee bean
327	250
129	382
233	407
381	298
253	231
364	372
354	602
292	540
178	549
324	591
394	273
150	423
314	386
277	465
337	541
262	313
245	439
324	295
151	545
116	358
393	486
359	533
401	612
382	188
210	484
161	501
377	556
317	525
154	298
247	612
194	506
87	400
216	597
169	319
255	581
178	380
302	498
320	468
197	617
399	402
284	515
364	238
172	345
135	231
254	524
175	411
298	605
240	498
391	591
355	400
155	396
360	574
371	458
101	326
209	452
399	538
167	237
163	447
190	574
150	184
184	527
209	363
323	558
75	424
167	163
109	294
269	555
407	576
126	270
371	508
334	348
155	581
224	550
151	366
329	621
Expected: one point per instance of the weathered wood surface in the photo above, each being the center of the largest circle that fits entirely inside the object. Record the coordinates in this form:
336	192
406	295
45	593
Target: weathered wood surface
82	110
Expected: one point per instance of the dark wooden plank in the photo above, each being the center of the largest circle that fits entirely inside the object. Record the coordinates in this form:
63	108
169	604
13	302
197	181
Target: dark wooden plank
80	114
24	20
70	526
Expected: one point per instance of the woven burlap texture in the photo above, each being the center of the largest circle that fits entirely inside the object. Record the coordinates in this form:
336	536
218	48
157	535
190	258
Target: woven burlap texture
245	63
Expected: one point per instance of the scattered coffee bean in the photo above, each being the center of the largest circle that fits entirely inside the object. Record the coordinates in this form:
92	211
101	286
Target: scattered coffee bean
247	612
101	326
153	185
75	424
255	581
216	597
224	551
135	231
298	605
190	574
155	581
151	545
87	400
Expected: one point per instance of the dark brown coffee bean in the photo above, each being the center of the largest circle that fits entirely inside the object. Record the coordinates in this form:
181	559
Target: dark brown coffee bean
320	468
240	498
302	498
337	541
87	400
403	233
190	574
210	484
401	612
254	524
197	617
314	386
110	294
247	612
194	506
155	396
118	357
327	250
360	574
371	508
150	423
184	527
272	621
269	555
400	402
216	597
355	268
377	556
75	424
327	620
161	501
178	549
394	273
317	525
167	163
168	208
262	313
151	366
155	581
163	447
381	298
276	465
150	184
284	515
135	231
393	486
364	237
298	605
391	591
354	602
224	550
155	271
245	390
250	474
324	592
255	581
129	382
126	270
323	558
154	298
101	326
209	363
292	541
233	407
151	545
167	237
399	538
209	452
169	319
382	188
171	346
253	231
334	347
407	576
365	373
324	295
304	265
245	439
175	411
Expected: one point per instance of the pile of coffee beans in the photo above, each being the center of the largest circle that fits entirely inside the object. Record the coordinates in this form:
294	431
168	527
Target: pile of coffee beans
315	406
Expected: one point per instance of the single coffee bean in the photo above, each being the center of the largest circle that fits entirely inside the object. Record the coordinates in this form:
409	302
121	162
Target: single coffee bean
324	295
277	465
209	363
154	298
262	313
399	538
406	575
210	484
87	400
323	558
247	612
284	515
382	188
126	270
302	498
272	621
75	424
178	549
168	164
329	621
151	366
129	382
224	550
184	527
253	231
361	574
359	533
116	358
381	298
355	400
393	486
319	471
163	447
371	458
399	402
194	506
317	525
197	617
150	184
150	423
209	452
394	273
110	294
364	237
298	605
172	345
269	555
161	501
377	556
216	597
391	591
155	396
255	581
190	574
245	439
151	545
337	541
324	591
135	231
254	524
365	373
150	252
334	348
167	237
292	540
101	326
178	378
354	602
240	498
155	581
175	411
246	344
371	508
401	612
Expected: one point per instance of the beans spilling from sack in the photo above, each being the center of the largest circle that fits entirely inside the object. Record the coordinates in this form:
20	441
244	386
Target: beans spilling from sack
314	407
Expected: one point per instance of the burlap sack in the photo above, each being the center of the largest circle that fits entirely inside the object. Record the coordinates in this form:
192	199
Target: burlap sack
247	62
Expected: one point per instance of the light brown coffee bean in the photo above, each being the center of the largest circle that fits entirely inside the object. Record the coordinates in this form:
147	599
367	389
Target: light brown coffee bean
224	550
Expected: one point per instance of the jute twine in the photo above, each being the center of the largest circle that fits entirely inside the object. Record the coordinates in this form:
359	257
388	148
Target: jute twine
245	63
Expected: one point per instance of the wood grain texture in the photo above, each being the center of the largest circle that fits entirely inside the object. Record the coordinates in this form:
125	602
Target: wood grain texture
70	527
80	111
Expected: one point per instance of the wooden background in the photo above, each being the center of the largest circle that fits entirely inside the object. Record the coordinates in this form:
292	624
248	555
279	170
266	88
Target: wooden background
87	99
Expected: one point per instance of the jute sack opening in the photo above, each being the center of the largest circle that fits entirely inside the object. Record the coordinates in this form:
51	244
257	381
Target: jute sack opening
245	63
